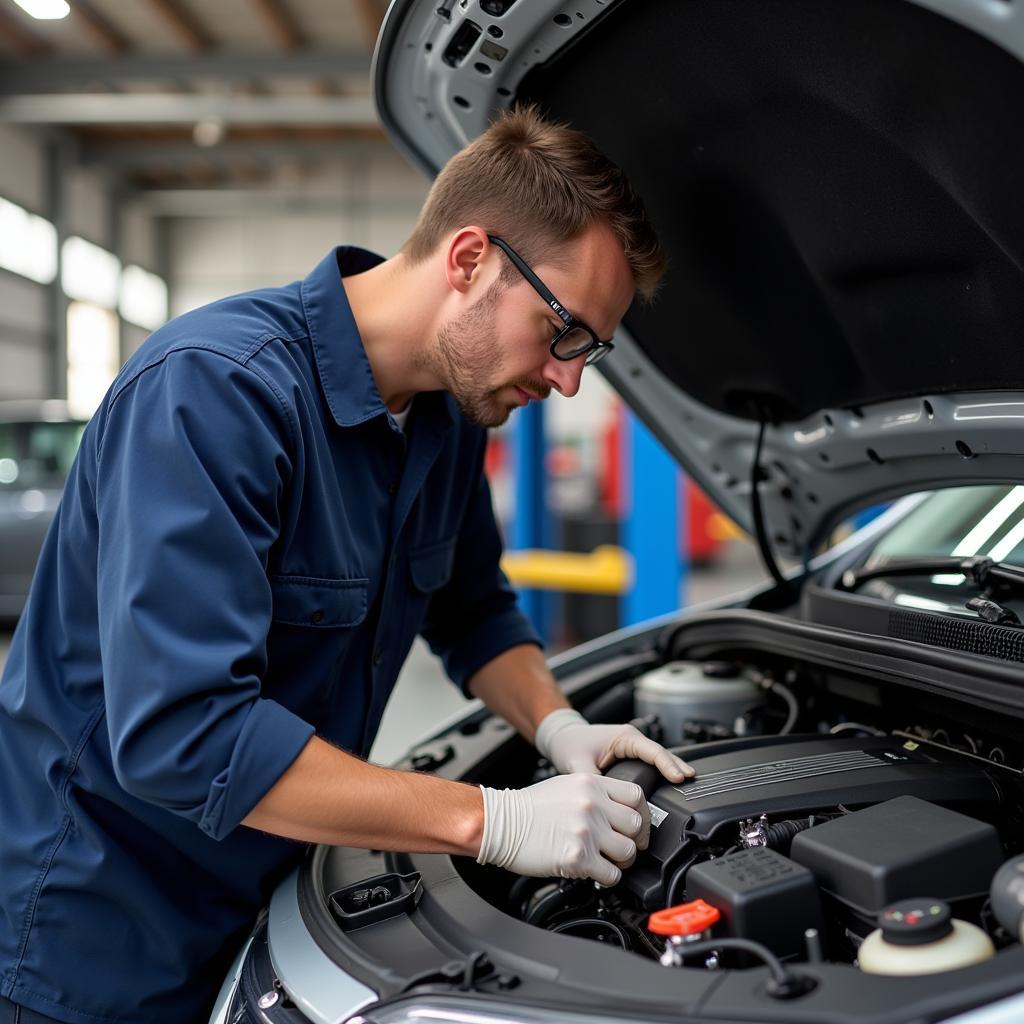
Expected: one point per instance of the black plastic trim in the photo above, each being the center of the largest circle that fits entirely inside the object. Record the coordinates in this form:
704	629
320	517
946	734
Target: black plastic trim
984	682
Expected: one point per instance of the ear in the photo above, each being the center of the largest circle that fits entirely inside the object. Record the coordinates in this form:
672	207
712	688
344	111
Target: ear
467	250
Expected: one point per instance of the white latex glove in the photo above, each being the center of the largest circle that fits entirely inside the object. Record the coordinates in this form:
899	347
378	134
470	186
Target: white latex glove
569	826
572	744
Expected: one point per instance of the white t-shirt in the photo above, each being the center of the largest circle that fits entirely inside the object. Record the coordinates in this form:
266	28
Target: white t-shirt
401	418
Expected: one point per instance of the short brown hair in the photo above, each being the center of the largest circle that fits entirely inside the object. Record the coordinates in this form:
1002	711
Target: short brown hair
538	185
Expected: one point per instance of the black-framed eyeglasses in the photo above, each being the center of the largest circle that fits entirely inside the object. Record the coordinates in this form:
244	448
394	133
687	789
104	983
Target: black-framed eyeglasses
574	338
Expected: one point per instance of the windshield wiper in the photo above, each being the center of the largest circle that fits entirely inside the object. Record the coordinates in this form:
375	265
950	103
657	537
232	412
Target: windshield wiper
992	611
982	572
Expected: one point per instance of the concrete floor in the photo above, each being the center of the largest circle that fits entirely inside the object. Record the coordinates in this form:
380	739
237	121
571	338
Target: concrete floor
424	698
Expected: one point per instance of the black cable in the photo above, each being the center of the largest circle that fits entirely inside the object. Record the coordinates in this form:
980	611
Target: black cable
757	509
645	940
594	922
677	876
780	976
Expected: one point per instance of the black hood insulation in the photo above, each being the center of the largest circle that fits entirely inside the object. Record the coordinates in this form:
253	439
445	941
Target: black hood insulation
837	186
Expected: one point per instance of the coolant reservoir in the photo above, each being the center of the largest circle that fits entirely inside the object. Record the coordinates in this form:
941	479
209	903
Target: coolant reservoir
920	936
690	691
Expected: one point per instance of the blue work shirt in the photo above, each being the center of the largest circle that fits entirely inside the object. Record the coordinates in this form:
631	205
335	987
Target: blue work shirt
246	547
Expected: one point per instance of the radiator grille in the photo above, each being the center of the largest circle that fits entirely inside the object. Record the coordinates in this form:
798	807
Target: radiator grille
770	773
1003	642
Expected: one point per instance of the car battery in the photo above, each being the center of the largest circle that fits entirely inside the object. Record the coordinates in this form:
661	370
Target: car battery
762	896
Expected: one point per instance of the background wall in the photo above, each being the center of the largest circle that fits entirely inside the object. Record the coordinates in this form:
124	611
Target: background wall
240	241
81	201
24	317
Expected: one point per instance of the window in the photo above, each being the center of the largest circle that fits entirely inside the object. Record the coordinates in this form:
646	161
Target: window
143	298
92	356
89	273
28	244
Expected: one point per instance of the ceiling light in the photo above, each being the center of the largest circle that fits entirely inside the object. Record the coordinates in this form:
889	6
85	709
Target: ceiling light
45	10
208	132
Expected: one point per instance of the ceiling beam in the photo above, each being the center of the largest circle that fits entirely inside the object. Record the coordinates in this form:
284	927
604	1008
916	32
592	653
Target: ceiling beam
112	39
290	36
371	14
187	27
25	42
32	76
187	202
159	109
281	23
143	155
114	135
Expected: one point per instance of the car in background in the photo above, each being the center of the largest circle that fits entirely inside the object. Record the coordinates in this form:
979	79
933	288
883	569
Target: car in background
837	186
38	443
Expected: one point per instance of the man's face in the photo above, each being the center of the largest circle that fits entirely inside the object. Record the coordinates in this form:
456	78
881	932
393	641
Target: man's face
495	356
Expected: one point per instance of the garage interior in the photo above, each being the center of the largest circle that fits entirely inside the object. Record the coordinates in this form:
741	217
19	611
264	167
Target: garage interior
160	154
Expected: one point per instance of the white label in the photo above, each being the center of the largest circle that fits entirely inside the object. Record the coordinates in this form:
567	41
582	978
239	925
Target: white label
657	815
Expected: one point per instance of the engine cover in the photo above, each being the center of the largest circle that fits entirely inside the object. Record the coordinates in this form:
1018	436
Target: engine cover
786	777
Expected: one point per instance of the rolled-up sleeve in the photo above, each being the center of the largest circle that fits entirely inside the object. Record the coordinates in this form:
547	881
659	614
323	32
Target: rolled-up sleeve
193	459
475	616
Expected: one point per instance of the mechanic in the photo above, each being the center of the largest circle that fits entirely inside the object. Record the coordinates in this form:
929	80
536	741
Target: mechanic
278	492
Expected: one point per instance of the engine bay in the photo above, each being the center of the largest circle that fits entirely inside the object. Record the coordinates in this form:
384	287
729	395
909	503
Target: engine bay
850	850
819	809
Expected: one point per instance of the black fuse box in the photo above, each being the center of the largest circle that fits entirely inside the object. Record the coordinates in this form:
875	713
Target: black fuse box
761	895
897	850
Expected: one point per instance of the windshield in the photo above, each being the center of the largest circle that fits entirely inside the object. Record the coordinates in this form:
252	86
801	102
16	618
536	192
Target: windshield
37	454
961	522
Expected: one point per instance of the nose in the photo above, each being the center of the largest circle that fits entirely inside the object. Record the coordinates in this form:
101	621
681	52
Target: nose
564	376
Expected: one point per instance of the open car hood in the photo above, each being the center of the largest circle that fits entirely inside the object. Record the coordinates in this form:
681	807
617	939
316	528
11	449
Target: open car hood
837	187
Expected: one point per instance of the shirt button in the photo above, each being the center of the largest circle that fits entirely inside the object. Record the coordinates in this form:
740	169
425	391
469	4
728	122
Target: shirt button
392	488
377	658
317	617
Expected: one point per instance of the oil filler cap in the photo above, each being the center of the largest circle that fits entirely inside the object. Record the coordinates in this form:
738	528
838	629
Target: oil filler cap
684	919
915	922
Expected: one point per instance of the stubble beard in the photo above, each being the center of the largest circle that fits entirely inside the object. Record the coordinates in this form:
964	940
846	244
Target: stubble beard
465	357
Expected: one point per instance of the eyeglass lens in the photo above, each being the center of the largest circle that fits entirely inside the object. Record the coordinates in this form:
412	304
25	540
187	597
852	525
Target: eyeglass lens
573	343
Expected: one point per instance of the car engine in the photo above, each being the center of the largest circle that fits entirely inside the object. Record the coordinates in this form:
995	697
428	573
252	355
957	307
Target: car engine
799	842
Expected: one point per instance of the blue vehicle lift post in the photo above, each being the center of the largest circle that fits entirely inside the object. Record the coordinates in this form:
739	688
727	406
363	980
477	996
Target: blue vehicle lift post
653	526
531	525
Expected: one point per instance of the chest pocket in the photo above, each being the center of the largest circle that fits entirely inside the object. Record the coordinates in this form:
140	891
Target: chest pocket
319	603
430	566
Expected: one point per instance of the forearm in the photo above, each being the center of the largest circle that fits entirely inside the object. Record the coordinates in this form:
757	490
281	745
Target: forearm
328	796
519	686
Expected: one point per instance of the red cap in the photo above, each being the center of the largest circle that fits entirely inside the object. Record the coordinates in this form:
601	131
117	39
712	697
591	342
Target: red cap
685	919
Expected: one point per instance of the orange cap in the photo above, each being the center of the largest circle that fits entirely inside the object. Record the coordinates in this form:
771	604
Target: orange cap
684	919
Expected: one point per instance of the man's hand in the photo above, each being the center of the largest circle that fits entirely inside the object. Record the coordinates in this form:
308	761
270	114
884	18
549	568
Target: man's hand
572	826
572	744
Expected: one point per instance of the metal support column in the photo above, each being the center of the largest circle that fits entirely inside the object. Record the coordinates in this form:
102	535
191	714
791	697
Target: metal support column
531	527
116	243
59	158
654	531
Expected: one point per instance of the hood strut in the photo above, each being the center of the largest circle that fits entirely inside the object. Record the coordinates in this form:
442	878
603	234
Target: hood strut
757	510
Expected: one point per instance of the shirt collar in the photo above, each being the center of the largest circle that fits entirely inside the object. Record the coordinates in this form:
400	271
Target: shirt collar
345	373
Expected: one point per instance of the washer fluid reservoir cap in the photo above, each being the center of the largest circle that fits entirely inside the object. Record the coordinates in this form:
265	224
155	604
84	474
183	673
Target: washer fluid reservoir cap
915	922
684	919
